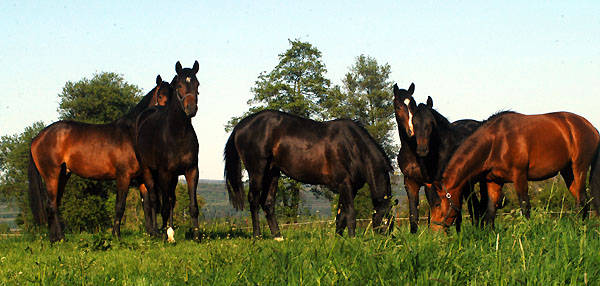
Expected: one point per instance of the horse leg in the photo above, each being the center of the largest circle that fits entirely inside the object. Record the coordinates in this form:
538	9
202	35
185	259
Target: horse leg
412	191
254	199
494	193
483	202
172	199
522	189
346	215
267	200
56	232
575	179
164	181
191	177
122	190
149	200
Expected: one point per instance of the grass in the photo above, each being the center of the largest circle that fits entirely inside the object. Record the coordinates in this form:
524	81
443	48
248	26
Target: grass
540	251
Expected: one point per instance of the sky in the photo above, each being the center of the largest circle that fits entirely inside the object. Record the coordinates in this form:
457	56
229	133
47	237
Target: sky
473	58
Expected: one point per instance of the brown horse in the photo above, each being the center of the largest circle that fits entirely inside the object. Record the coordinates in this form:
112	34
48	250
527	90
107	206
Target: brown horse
428	140
515	148
167	147
93	151
340	154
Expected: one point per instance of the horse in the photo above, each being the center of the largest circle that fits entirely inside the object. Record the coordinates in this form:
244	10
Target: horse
339	154
514	148
167	147
428	140
93	151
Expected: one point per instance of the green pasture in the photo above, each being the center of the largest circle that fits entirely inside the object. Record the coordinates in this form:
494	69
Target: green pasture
545	250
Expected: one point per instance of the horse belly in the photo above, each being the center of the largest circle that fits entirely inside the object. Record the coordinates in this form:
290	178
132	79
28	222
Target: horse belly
547	156
307	164
103	163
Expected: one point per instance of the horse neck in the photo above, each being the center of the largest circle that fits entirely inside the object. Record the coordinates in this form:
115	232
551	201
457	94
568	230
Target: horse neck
127	121
177	121
444	142
468	161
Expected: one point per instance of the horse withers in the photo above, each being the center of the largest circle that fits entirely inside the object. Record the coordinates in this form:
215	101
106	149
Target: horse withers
515	148
93	151
339	154
167	147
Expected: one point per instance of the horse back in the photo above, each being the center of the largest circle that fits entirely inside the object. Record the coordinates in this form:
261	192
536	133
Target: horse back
96	151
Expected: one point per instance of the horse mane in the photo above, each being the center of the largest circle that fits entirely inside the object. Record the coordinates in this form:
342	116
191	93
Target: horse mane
367	135
498	114
439	118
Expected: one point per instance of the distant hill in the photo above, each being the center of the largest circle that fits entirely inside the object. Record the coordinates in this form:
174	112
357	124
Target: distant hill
217	205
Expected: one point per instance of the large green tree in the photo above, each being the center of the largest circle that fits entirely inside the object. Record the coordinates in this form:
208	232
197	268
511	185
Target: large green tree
365	95
297	85
14	158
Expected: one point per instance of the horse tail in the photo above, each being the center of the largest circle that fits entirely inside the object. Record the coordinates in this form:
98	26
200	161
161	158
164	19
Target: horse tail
37	196
233	173
595	179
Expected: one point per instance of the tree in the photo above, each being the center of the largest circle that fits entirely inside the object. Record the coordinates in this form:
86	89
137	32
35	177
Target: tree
366	97
14	160
101	99
297	85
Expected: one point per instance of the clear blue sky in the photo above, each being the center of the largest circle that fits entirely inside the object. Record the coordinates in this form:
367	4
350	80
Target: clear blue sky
472	57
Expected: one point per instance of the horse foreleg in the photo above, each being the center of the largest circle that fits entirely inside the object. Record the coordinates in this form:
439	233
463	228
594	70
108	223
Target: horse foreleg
267	201
494	194
191	177
412	191
346	215
149	202
122	190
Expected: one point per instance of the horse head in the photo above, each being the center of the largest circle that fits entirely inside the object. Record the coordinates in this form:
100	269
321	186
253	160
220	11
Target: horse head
423	122
186	88
161	93
404	107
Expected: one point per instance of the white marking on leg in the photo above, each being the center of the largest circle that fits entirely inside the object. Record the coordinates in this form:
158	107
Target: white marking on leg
170	235
279	239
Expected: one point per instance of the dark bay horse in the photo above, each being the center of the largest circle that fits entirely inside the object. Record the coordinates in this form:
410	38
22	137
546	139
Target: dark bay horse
339	154
428	140
515	148
93	151
167	147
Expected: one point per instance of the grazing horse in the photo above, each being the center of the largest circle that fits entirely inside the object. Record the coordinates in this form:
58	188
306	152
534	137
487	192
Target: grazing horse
426	146
93	151
515	148
339	154
167	147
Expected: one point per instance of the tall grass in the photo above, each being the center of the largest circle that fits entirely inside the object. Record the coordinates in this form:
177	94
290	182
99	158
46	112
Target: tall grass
540	251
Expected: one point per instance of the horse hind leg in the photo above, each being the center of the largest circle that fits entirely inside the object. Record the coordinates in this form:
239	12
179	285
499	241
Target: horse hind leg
575	181
55	186
267	201
254	200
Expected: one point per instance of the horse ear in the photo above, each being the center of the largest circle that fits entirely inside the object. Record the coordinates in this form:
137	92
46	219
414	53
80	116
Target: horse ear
158	80
411	89
429	102
396	90
196	67
178	67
